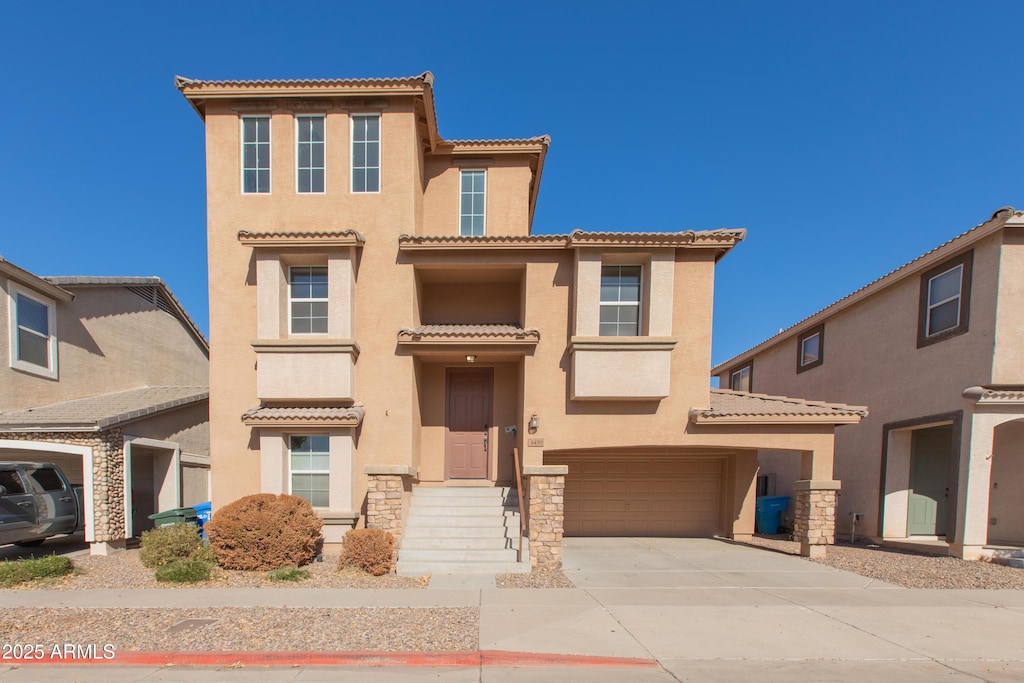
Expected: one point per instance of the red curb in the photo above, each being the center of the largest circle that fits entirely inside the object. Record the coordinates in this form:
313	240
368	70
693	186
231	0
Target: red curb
475	658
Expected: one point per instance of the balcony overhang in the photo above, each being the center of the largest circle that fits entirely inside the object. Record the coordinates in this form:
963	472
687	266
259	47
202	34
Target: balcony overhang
493	341
304	416
297	239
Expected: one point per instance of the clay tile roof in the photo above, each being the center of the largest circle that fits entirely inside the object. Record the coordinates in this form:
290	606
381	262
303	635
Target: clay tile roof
502	142
725	237
996	394
743	407
489	330
338	416
94	413
411	242
183	83
278	238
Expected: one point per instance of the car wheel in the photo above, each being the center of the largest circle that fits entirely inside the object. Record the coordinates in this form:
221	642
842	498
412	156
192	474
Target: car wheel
30	544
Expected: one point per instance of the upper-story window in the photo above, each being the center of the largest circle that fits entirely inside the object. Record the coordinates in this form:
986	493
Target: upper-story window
307	295
309	141
33	338
945	300
309	466
810	349
256	154
741	378
472	202
620	301
366	153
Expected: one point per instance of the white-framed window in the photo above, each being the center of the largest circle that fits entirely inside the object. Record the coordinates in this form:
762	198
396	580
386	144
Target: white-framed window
944	301
739	379
366	153
810	351
309	154
307	299
620	301
472	202
309	465
33	332
255	154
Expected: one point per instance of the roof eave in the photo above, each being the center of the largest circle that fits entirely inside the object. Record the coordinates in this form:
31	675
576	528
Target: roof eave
35	282
703	419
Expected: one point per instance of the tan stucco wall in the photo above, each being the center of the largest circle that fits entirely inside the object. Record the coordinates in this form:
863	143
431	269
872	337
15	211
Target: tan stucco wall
445	302
1007	483
507	196
1008	360
871	358
108	339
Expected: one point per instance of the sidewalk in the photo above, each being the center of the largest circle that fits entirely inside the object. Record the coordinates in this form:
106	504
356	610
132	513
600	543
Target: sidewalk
639	615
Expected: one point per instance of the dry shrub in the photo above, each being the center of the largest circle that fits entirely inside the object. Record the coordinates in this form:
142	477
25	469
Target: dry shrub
367	549
264	531
169	543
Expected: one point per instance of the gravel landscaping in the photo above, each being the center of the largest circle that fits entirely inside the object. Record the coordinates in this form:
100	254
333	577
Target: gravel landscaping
552	578
907	569
437	629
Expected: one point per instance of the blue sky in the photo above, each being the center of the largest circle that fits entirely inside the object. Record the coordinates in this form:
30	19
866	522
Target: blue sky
847	137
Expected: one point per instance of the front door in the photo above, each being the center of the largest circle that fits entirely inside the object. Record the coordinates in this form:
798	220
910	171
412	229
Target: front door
467	421
929	481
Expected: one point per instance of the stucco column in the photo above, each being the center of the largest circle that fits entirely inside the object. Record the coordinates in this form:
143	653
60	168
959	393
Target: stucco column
814	515
386	496
546	484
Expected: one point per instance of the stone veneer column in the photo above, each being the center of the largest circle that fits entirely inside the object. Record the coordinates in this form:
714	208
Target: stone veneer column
386	495
547	514
814	515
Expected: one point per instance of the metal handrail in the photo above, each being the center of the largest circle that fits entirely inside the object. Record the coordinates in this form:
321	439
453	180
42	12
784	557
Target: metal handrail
522	512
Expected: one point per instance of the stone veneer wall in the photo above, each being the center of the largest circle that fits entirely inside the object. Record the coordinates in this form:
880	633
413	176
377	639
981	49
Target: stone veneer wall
386	495
814	517
547	515
108	521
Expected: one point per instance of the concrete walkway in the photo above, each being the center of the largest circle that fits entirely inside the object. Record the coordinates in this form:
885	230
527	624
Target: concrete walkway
643	610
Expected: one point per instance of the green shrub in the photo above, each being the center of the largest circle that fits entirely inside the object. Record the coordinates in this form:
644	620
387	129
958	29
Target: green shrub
204	553
19	571
370	550
264	531
290	573
169	543
184	571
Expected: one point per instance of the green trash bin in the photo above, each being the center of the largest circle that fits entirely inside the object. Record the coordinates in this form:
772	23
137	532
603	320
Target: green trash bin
175	516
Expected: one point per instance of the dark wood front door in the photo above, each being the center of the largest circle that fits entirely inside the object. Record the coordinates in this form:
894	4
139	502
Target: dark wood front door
468	419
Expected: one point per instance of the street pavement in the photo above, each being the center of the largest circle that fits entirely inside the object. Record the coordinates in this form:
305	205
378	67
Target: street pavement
657	610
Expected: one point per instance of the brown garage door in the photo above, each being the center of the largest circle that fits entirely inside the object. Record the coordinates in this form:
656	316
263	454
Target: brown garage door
642	496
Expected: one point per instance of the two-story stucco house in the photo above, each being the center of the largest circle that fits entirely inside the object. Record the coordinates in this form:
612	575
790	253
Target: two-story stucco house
386	323
935	350
107	377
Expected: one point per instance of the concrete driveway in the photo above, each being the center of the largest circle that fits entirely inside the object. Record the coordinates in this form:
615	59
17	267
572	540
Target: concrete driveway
72	544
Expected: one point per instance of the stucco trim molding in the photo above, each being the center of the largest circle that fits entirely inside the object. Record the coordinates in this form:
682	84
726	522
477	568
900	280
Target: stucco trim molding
545	470
296	345
390	470
817	485
622	344
318	238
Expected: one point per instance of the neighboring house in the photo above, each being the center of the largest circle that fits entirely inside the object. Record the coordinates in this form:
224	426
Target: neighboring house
935	349
107	377
386	319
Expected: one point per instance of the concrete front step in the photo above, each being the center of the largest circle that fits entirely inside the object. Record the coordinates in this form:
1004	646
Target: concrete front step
453	532
462	492
439	521
457	555
481	542
475	502
433	568
457	510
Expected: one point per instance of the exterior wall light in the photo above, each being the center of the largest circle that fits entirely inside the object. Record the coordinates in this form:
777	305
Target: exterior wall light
534	423
470	358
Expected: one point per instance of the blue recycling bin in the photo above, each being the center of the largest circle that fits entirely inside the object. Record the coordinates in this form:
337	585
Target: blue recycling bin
203	512
768	513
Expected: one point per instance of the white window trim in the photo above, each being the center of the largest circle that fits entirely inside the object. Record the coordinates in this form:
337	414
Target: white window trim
351	152
462	172
324	143
803	353
270	153
931	306
288	455
326	299
639	303
13	291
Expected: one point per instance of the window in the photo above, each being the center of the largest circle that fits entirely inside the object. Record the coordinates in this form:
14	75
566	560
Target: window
33	338
309	140
10	480
366	153
620	301
44	479
309	466
256	154
810	348
740	378
472	203
945	300
307	294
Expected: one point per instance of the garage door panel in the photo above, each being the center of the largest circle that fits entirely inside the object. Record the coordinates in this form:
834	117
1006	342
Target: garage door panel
643	496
